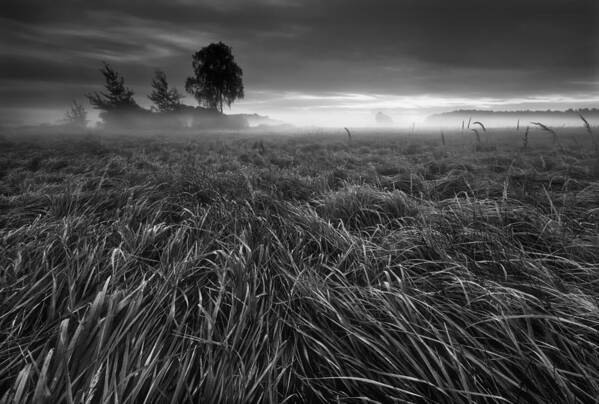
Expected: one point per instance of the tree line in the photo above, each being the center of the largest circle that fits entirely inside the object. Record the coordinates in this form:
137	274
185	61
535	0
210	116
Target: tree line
217	81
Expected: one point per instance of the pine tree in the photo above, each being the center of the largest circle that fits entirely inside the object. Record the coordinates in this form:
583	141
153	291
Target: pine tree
117	96
166	100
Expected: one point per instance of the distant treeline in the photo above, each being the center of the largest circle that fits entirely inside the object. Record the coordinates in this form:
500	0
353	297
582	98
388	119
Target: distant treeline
524	111
569	117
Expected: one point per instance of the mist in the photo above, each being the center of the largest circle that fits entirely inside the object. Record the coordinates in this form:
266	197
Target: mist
309	63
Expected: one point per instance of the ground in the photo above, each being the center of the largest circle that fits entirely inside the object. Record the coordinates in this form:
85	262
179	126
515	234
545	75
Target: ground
300	268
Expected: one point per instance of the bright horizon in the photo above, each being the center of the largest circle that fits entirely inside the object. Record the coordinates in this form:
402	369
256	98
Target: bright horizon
309	63
345	109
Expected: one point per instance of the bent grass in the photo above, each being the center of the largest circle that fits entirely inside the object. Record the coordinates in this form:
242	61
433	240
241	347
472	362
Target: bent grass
206	280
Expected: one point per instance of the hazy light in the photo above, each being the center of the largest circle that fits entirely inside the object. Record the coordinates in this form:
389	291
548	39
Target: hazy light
343	109
340	109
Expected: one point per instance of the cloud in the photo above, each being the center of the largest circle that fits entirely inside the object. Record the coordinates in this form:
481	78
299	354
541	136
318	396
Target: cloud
463	49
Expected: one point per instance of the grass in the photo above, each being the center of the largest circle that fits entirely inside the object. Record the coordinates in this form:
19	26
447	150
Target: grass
310	269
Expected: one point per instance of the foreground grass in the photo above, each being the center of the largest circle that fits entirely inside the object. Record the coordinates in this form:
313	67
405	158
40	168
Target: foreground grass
394	270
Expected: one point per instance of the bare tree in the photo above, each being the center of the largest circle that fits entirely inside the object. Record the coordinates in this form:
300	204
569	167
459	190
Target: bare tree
76	115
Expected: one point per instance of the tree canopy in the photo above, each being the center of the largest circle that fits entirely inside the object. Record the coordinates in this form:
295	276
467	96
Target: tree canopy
217	78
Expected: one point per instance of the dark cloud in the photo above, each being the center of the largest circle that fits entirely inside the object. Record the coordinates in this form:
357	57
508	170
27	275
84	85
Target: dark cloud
496	48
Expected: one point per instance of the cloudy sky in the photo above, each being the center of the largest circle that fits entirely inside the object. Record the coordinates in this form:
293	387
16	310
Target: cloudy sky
312	62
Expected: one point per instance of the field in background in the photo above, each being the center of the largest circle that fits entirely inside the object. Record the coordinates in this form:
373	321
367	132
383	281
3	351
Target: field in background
300	268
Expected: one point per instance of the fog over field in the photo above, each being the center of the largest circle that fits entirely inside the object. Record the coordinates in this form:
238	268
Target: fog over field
299	201
310	63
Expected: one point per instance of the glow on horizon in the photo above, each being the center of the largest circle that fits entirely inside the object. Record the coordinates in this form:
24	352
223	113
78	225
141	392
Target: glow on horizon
359	109
335	109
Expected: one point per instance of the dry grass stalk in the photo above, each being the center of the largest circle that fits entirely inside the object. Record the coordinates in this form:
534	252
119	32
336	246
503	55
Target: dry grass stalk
589	130
477	135
348	136
525	139
481	125
548	130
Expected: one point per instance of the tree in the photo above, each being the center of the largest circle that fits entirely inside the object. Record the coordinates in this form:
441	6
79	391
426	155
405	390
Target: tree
217	78
77	115
117	96
166	100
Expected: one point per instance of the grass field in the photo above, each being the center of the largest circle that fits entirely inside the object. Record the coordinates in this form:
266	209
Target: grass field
389	269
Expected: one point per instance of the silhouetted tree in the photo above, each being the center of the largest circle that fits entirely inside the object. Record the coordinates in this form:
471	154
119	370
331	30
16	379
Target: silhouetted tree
77	115
217	78
166	99
117	96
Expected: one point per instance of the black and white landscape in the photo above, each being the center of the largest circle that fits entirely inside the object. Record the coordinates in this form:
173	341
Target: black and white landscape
299	201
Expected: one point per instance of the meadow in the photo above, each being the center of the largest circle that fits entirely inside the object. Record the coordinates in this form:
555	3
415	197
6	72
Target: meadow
392	267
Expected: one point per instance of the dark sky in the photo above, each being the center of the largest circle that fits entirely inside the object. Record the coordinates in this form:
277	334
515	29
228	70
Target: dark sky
310	61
